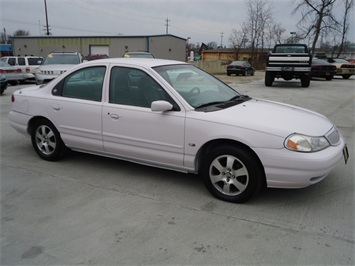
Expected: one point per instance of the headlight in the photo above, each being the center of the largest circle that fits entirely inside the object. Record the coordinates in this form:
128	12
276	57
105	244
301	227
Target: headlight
303	143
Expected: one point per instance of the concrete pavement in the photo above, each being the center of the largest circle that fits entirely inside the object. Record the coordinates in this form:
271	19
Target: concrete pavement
89	210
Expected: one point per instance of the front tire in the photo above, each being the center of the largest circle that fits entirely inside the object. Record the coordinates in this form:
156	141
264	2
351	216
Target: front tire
232	174
46	141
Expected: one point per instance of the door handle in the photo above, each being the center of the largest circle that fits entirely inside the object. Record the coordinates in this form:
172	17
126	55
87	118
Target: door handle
114	116
56	107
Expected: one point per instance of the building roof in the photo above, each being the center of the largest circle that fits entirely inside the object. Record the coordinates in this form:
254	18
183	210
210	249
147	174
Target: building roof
93	36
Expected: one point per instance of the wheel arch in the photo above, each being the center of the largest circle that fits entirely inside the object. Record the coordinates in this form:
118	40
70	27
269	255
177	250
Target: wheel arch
207	147
33	121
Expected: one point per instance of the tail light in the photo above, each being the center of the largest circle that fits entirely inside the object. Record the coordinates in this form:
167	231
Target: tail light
2	71
18	70
12	98
28	70
347	66
316	67
242	67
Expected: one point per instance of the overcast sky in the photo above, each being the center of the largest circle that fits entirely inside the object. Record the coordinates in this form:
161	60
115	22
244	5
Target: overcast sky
201	20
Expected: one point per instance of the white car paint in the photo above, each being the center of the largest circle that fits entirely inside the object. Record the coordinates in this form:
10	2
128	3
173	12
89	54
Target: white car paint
176	139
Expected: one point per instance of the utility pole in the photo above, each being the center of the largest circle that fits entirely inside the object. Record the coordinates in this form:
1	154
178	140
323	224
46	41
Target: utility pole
5	37
45	7
167	25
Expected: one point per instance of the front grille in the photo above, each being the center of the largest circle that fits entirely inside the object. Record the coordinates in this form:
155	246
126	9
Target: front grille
333	136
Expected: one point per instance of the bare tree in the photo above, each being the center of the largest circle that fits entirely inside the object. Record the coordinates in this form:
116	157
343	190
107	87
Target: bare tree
238	40
212	45
316	17
348	5
21	33
274	34
259	16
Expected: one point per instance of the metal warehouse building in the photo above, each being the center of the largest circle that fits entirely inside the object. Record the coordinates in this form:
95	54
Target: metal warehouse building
161	46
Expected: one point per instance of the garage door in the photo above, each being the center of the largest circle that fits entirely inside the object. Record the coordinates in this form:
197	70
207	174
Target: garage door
99	49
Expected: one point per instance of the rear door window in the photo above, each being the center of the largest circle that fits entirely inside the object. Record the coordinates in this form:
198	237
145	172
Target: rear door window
21	61
85	84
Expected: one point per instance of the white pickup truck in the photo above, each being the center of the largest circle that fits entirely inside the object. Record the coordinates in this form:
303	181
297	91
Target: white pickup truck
289	61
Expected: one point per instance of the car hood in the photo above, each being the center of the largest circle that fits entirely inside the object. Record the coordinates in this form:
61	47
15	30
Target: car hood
57	67
271	118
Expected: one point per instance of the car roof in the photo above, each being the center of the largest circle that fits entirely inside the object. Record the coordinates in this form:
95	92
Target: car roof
145	62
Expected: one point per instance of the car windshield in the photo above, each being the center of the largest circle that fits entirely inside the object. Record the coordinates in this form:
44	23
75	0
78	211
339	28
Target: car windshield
339	60
197	87
237	63
54	59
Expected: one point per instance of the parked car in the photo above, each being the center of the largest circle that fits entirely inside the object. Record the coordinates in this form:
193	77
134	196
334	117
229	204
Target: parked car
240	68
3	84
195	125
56	64
96	56
28	64
322	69
344	68
138	54
12	74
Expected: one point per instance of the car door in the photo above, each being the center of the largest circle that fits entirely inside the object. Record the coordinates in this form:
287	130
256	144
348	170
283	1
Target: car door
77	109
132	130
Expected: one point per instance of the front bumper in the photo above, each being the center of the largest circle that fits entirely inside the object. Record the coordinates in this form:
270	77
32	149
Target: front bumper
289	169
42	79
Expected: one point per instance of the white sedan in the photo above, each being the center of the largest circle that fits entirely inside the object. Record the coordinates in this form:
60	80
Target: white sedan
142	110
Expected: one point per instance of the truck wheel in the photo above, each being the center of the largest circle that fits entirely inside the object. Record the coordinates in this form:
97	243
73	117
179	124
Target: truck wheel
305	81
346	76
269	79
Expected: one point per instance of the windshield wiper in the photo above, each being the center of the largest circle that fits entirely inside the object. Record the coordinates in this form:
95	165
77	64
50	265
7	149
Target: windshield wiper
235	98
208	104
240	97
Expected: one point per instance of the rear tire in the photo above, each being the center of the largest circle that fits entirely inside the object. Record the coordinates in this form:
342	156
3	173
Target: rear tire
46	141
269	79
346	76
232	173
305	81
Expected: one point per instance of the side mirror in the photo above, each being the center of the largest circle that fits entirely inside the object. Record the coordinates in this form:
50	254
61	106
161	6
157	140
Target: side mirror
161	106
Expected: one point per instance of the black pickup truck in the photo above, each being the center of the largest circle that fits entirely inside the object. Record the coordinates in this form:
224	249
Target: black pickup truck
289	61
